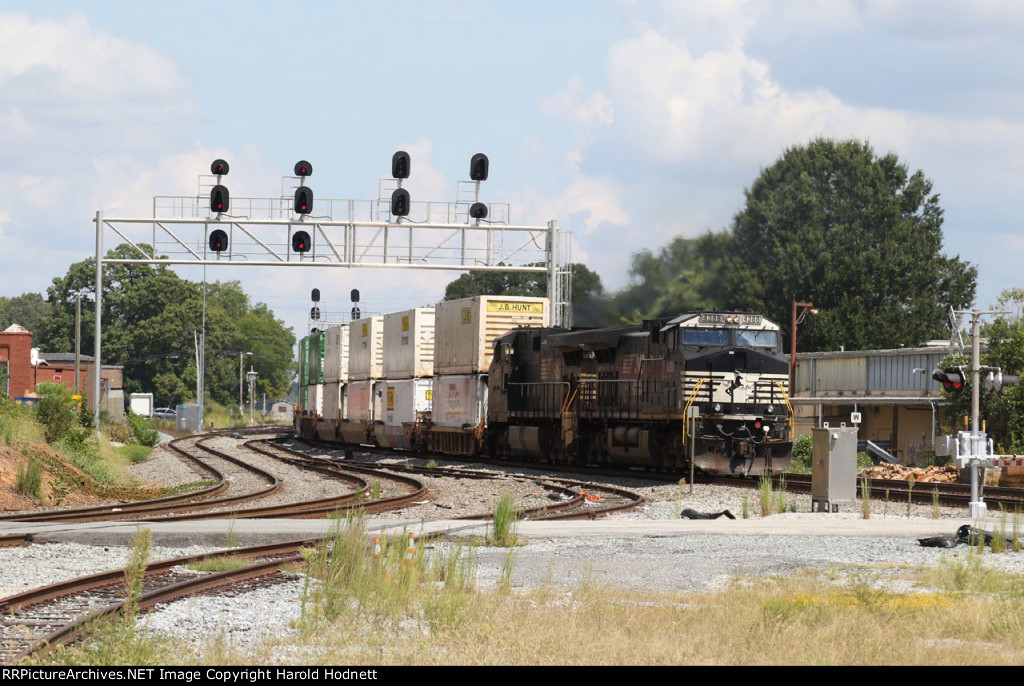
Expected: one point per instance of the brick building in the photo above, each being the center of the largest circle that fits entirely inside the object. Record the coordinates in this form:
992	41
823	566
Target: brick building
26	368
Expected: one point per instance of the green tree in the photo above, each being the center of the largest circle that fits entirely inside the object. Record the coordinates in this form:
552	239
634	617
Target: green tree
854	233
55	410
685	275
1004	410
27	310
151	318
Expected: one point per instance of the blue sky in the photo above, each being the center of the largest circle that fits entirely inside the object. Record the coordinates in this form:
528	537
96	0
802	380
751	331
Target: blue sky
628	122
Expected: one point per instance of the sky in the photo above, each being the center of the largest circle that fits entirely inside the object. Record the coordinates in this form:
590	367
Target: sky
629	122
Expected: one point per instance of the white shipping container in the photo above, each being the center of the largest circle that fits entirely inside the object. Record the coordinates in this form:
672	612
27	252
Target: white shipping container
366	348
405	400
336	354
361	402
459	400
333	401
466	329
409	343
314	399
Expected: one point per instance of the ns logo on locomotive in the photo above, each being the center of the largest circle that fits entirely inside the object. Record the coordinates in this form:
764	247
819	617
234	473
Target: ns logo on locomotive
713	385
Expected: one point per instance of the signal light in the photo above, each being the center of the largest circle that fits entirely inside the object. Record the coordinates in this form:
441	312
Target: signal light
300	241
400	164
303	168
478	210
400	202
314	313
219	167
220	199
952	379
218	240
478	167
303	200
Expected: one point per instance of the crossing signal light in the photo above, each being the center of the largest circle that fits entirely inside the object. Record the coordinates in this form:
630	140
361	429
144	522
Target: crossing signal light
303	200
478	167
303	168
953	380
218	240
478	210
220	199
400	163
219	167
400	202
300	241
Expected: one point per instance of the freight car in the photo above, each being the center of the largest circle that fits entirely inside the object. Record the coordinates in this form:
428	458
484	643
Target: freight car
713	385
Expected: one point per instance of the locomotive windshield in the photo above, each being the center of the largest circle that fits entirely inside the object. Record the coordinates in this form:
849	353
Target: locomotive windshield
765	339
705	336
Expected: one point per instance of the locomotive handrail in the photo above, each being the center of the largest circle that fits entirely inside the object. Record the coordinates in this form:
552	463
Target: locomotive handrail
686	408
789	406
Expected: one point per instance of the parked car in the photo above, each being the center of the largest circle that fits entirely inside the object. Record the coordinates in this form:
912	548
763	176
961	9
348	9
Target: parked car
165	413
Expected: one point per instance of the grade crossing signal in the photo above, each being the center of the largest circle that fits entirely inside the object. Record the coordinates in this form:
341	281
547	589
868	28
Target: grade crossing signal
952	379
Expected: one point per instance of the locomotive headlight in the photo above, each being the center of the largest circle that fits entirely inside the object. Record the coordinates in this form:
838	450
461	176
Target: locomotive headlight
718	407
771	409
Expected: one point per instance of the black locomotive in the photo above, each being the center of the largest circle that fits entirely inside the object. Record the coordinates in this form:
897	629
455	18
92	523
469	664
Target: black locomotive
623	396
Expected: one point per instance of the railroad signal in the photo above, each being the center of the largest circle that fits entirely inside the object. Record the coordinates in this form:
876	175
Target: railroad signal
996	380
218	240
478	167
303	168
220	199
952	379
303	200
478	210
219	167
400	164
400	202
300	242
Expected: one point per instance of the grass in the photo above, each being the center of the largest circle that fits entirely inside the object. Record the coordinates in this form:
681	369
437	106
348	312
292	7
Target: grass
29	480
504	519
865	497
383	611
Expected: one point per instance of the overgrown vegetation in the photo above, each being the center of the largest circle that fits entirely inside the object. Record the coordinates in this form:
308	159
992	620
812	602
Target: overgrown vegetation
504	519
29	480
381	610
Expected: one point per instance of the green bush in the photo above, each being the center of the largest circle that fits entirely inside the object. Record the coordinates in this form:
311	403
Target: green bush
803	447
143	434
29	480
56	410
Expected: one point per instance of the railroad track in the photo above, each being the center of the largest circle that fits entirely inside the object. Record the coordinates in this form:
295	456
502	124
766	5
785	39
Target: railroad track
35	620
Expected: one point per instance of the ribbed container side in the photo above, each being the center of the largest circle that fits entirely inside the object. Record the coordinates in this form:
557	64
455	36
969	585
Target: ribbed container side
361	401
336	354
406	400
409	343
459	400
332	403
366	348
467	328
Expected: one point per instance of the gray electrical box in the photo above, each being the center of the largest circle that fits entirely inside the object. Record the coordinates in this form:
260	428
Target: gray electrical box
189	417
834	468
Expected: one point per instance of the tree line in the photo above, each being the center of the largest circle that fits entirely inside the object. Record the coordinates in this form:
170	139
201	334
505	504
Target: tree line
830	222
151	317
